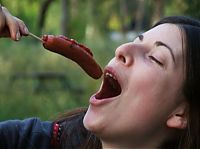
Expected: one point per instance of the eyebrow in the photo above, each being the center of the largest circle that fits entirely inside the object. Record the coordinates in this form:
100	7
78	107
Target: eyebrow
160	43
141	37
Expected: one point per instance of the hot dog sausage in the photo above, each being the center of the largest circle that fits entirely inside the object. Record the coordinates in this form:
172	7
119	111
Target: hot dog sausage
69	48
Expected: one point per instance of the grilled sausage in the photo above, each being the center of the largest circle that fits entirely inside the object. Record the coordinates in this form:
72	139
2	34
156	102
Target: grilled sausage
71	49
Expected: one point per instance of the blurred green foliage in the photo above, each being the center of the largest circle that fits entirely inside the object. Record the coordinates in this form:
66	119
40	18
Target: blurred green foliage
19	99
90	22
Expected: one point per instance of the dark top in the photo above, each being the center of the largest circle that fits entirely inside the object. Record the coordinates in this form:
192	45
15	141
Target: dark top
30	133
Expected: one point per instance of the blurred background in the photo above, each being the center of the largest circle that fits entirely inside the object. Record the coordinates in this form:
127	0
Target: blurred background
36	82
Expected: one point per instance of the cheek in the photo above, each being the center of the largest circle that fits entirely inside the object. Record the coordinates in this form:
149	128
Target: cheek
146	81
154	94
145	93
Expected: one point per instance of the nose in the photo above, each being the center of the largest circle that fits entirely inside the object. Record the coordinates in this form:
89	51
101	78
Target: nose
125	54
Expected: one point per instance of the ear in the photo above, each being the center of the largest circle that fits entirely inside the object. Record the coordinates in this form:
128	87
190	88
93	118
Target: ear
178	118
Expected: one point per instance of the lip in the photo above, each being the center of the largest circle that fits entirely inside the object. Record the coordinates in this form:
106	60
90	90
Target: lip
97	102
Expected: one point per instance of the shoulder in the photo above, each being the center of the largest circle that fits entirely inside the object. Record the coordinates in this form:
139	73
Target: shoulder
31	124
27	133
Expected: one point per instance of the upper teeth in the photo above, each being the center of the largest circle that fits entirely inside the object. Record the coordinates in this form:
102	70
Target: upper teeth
110	75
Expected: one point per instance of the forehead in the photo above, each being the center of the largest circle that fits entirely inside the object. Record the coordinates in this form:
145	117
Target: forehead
167	33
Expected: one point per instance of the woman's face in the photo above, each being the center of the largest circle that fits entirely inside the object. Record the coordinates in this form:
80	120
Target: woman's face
142	86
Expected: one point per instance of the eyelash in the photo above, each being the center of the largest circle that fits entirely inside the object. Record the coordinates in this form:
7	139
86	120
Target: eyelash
156	60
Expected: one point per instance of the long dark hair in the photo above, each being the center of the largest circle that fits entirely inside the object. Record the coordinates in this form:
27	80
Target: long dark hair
77	137
190	29
74	135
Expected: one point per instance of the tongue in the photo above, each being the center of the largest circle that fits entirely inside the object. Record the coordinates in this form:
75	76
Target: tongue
110	88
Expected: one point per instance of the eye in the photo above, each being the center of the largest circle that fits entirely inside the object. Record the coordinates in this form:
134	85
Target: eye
136	40
156	60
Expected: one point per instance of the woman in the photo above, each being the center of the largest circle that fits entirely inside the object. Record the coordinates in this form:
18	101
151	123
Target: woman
148	98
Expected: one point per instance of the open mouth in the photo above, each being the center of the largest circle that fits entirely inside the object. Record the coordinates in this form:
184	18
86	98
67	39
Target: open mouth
110	87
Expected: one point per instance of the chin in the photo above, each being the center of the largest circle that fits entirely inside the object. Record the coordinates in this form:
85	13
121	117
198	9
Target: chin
96	119
91	122
86	121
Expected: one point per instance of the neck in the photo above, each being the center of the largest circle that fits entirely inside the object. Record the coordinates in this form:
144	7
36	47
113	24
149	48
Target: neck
121	145
134	142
